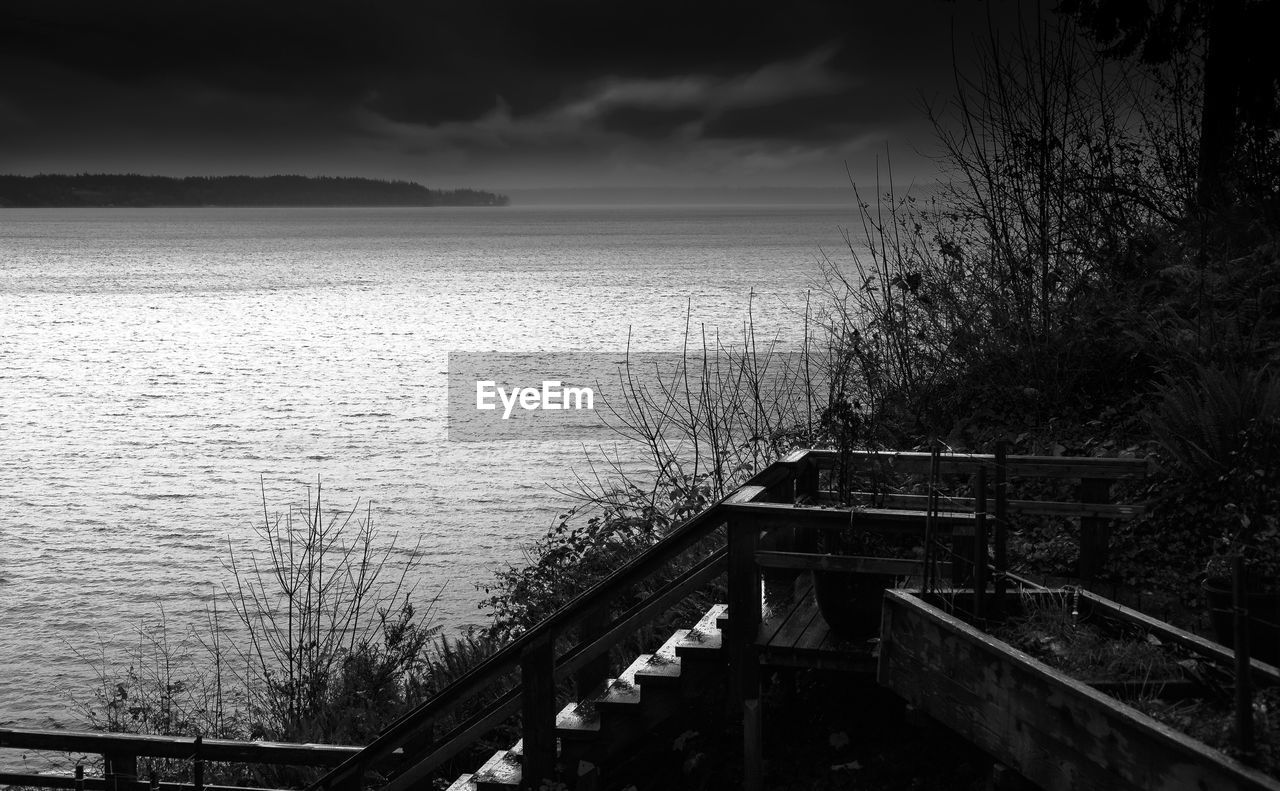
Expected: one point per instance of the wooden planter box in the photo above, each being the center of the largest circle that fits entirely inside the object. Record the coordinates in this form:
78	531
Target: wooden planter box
1056	731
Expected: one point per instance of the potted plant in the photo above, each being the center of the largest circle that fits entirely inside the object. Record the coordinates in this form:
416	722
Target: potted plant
850	602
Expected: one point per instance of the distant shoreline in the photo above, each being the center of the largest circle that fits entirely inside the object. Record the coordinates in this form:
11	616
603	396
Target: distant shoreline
134	191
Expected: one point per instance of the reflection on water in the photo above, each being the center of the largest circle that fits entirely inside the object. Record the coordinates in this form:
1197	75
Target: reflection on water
157	367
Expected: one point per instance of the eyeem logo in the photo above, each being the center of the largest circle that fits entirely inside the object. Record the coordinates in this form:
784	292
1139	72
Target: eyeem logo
529	396
582	397
552	395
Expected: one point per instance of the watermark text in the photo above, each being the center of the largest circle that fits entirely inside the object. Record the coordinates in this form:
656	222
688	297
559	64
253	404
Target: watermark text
551	395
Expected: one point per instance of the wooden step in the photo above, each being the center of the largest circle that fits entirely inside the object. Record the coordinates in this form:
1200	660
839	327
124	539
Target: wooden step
502	771
579	721
623	690
463	783
663	668
609	725
646	693
705	640
619	698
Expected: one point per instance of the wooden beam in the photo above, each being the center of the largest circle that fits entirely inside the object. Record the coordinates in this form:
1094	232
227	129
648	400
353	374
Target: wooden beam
899	567
774	515
594	673
456	741
1019	466
538	707
1262	672
30	780
1095	534
1059	732
176	747
1065	509
743	626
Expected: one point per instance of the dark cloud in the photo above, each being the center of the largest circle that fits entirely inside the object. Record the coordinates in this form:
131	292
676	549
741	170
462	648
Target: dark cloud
419	62
827	117
460	87
648	122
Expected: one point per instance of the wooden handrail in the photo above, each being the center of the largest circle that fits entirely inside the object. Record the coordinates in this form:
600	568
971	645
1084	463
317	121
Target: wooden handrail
898	567
120	752
175	747
767	515
747	504
1030	507
507	659
564	666
33	780
1110	468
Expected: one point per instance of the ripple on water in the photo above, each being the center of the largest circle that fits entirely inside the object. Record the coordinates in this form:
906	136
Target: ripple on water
177	365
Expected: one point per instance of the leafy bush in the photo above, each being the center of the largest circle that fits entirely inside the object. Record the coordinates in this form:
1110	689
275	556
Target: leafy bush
329	649
1201	419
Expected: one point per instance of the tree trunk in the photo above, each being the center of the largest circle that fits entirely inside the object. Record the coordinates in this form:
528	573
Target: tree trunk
1218	118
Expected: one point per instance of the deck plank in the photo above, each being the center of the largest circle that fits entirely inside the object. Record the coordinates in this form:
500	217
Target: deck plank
781	602
798	636
810	640
796	625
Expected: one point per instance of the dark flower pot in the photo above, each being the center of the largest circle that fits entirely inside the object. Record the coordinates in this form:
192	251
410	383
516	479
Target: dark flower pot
850	603
1264	618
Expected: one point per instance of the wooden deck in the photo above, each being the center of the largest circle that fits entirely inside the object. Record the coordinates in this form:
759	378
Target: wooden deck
793	632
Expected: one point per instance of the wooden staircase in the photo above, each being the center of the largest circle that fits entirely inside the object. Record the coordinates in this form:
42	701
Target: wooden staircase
748	537
740	537
603	727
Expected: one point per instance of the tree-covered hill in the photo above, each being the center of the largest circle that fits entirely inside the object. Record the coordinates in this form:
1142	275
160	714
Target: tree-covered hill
140	191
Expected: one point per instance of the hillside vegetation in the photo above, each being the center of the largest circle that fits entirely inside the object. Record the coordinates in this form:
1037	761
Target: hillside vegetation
132	190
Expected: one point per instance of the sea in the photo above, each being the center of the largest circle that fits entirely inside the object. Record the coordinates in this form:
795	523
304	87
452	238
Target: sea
173	379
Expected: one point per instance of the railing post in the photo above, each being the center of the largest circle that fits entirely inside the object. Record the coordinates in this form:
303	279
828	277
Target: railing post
1095	533
744	624
593	674
119	770
537	681
806	481
79	781
197	764
806	493
1244	689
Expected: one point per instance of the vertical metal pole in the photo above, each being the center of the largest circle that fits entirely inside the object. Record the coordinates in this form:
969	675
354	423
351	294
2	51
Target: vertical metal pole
1002	527
980	546
930	524
1244	686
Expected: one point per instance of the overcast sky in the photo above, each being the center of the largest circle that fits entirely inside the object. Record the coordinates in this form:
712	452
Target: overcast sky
495	95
